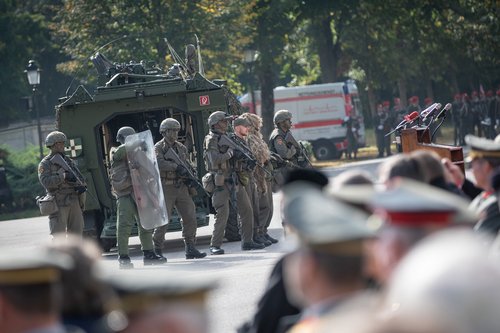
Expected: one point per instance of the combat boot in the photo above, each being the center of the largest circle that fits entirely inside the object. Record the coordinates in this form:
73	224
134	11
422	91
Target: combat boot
159	253
151	258
259	238
247	246
216	250
269	238
125	262
192	252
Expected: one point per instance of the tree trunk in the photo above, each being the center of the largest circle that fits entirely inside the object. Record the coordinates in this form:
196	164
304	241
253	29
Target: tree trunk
429	90
266	79
323	38
403	92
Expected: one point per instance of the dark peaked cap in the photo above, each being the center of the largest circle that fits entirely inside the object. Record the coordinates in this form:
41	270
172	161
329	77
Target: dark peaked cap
321	222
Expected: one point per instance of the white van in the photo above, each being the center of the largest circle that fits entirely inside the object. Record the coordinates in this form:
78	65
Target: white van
318	113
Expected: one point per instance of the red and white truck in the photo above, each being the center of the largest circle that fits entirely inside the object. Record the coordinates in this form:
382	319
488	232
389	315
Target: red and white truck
318	111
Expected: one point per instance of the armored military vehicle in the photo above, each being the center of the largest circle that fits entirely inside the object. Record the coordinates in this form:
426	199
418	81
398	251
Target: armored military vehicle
139	95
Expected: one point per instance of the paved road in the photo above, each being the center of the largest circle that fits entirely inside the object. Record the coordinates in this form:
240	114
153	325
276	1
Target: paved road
241	275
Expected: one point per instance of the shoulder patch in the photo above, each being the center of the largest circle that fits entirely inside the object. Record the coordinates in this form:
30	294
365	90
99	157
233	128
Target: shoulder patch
279	141
40	169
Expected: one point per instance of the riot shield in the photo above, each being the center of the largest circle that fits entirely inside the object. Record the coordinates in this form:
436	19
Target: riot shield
146	180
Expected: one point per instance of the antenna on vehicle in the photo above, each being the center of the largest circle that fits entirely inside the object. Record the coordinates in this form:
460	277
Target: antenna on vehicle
201	70
177	59
94	52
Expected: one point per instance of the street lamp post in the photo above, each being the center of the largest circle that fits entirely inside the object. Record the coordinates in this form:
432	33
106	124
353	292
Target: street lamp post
249	58
33	73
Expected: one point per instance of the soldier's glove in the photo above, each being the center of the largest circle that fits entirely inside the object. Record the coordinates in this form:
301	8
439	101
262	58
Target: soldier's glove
181	171
80	189
251	164
229	152
238	155
69	177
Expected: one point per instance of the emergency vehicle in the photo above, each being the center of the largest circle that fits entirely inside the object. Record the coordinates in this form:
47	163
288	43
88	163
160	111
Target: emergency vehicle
319	112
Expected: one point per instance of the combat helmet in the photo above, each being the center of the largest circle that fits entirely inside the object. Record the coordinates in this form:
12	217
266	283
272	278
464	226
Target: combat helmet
281	115
169	124
123	133
215	117
54	137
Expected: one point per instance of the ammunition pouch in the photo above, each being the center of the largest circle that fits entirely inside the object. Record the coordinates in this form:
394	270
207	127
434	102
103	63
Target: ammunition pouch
47	204
208	182
120	180
243	178
219	179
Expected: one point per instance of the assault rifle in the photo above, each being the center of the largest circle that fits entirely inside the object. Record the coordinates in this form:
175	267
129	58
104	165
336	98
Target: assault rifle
280	161
225	140
172	155
81	187
299	146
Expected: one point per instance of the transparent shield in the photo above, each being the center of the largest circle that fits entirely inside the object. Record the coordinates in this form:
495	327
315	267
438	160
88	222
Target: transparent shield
146	180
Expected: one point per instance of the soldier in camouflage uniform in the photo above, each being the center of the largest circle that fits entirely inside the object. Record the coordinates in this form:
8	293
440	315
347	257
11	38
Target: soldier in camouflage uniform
262	181
177	188
289	156
246	177
220	162
127	215
69	192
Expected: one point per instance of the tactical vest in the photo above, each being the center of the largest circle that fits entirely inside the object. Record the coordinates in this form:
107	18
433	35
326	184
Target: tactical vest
121	182
212	138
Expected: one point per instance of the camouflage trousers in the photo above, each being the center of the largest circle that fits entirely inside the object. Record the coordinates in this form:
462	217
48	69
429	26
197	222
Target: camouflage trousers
126	217
179	198
69	218
221	201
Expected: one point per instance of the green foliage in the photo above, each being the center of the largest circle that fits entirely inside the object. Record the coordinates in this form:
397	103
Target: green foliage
392	47
22	176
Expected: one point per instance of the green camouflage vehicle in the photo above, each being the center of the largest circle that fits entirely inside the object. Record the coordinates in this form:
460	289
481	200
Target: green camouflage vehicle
139	95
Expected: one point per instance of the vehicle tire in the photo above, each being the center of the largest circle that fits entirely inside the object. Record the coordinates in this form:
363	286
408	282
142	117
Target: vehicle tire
107	243
232	232
324	150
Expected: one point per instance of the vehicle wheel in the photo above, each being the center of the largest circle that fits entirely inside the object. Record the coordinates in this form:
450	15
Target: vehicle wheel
232	232
107	243
324	150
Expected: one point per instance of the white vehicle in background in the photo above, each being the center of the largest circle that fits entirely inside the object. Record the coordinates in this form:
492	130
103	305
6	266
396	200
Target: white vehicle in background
319	112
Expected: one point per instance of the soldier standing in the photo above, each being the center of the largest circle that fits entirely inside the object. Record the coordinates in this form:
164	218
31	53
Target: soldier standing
263	181
289	155
383	126
127	215
414	105
475	105
458	138
221	165
176	188
66	186
246	177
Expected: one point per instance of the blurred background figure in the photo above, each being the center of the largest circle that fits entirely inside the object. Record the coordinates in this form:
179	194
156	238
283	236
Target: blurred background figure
484	157
434	172
407	214
158	304
383	123
30	291
327	268
413	105
455	289
399	166
352	136
274	303
84	293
